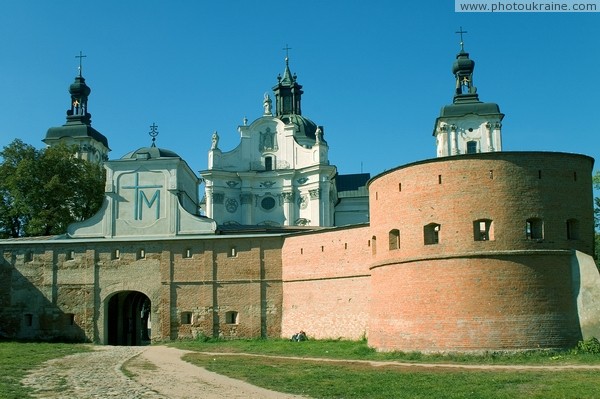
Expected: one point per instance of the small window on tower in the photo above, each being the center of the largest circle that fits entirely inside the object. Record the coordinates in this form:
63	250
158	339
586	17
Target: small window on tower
431	233
394	239
471	147
534	229
483	230
572	229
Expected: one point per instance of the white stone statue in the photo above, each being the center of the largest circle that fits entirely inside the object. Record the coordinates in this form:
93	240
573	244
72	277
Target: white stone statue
215	141
267	104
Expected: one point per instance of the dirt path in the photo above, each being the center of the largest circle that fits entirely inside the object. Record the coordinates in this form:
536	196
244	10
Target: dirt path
157	372
161	369
151	372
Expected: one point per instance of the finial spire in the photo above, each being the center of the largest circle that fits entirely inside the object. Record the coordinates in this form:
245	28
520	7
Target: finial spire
462	43
81	57
153	133
287	53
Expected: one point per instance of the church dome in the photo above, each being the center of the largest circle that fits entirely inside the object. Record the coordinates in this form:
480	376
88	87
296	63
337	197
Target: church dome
79	89
150	153
463	64
305	128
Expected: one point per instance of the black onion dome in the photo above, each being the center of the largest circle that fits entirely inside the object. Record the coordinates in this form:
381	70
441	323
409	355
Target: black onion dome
463	64
79	89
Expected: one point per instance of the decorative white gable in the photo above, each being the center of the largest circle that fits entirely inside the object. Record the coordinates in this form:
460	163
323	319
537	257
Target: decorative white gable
150	192
279	174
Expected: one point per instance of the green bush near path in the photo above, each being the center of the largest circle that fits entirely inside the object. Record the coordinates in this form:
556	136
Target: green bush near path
17	358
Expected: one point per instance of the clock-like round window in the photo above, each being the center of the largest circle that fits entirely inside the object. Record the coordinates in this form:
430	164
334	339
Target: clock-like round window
268	203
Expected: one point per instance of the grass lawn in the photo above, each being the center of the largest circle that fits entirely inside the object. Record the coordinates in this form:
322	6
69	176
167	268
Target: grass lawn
321	379
17	358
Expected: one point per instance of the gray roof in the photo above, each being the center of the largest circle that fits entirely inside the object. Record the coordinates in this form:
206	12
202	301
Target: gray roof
351	182
150	153
75	130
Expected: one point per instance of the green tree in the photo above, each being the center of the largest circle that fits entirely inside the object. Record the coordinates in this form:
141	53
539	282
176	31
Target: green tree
43	191
13	216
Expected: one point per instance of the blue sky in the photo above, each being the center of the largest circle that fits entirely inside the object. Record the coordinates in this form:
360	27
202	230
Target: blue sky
375	74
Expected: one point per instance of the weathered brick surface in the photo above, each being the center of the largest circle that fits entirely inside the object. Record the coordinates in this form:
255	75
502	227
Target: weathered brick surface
460	294
504	187
496	302
326	283
207	284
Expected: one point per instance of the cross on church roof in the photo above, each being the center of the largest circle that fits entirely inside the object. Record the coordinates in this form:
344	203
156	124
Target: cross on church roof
462	43
81	57
153	133
287	51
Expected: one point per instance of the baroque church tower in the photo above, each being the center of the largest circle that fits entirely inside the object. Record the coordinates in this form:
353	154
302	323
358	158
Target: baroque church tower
92	145
279	174
467	126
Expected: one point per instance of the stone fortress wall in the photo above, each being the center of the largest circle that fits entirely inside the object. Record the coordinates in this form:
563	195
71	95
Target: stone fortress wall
475	252
227	287
462	253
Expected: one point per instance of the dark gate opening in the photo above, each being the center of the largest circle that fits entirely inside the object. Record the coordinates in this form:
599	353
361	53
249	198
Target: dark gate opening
128	319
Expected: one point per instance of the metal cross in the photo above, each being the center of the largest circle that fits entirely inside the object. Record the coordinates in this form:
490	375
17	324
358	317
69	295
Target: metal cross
287	49
461	31
153	133
81	57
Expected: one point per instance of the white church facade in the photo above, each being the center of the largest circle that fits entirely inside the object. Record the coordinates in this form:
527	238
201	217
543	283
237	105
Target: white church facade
280	174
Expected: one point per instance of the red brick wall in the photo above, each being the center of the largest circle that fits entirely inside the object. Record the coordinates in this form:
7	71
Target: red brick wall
463	294
326	283
464	304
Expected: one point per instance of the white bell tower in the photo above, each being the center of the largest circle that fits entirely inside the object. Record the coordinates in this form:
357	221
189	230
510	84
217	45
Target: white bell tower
467	126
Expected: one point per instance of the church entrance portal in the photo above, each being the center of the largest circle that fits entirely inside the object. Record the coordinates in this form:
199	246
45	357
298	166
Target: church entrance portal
128	319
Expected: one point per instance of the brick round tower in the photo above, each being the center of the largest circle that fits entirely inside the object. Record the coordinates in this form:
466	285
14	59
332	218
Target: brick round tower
474	252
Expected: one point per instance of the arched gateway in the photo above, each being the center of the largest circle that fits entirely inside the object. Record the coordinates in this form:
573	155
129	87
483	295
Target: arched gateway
127	319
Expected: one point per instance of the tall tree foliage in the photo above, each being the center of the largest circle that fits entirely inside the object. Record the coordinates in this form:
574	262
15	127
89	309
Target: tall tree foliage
43	191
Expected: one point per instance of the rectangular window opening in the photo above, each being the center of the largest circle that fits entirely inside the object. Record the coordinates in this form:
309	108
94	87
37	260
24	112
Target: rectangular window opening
439	179
187	253
231	317
483	230
186	317
534	229
232	252
28	319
